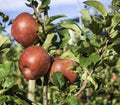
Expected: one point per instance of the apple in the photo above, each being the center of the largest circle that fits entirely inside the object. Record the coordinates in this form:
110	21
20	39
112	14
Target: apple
24	29
79	96
108	96
114	77
34	62
63	67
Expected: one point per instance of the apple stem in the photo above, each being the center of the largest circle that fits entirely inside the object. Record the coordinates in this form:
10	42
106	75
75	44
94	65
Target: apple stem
45	90
31	90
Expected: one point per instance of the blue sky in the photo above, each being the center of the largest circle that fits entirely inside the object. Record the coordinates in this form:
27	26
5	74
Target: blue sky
70	8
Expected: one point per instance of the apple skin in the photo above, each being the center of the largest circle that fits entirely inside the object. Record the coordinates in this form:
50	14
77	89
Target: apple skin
114	77
62	66
34	62
79	96
24	29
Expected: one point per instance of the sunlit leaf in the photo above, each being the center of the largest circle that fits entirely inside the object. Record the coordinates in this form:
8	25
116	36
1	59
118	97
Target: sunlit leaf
50	27
9	83
98	6
71	25
5	69
69	55
115	19
48	42
4	40
52	18
86	14
89	78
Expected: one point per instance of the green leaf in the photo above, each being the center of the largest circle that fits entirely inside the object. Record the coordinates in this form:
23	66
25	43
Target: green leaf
86	48
89	78
2	91
84	61
3	99
50	27
117	48
72	100
5	69
115	5
69	24
45	3
4	41
64	37
69	55
115	40
96	24
115	19
9	83
20	102
48	41
2	28
98	6
52	18
58	79
84	75
4	17
86	14
94	57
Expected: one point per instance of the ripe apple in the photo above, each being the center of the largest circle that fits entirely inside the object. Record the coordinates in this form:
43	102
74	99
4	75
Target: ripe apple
34	62
79	96
24	29
63	67
114	77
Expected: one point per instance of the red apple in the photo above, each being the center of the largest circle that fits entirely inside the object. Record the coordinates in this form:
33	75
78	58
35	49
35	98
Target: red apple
114	77
79	96
63	67
24	29
34	62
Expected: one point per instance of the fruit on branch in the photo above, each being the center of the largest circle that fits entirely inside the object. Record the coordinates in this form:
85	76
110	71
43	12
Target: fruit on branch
79	96
34	62
114	77
24	29
64	66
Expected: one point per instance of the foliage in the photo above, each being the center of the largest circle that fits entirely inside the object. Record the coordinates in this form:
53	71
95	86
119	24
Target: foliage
94	45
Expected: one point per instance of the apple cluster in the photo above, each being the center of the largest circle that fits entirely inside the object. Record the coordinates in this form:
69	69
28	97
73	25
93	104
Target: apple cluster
35	62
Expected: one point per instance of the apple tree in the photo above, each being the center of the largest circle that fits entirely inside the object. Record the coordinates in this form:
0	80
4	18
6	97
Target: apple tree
61	63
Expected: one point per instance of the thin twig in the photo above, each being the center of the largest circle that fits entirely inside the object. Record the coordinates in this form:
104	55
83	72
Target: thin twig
84	83
38	15
45	90
24	98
